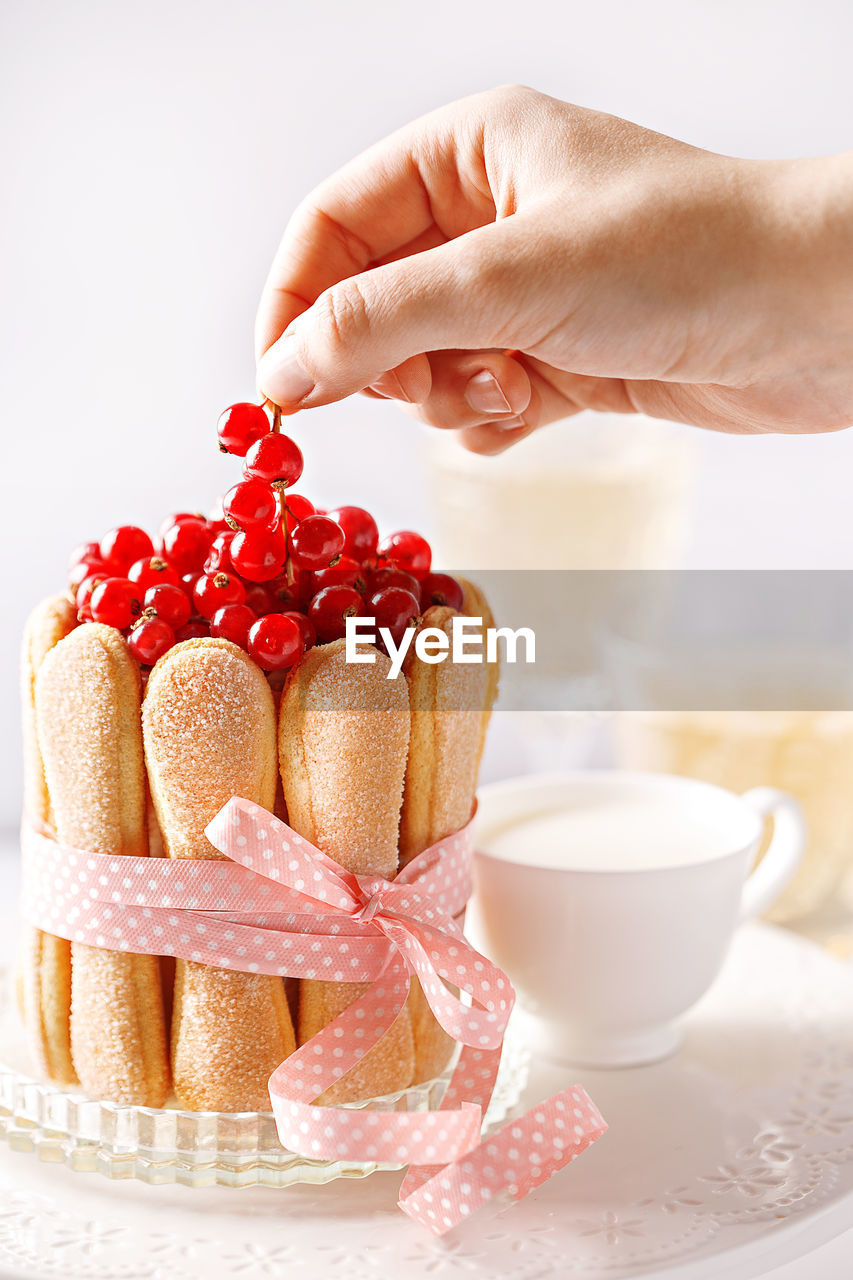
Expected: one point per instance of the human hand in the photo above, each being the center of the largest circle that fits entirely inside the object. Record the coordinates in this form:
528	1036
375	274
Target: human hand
511	259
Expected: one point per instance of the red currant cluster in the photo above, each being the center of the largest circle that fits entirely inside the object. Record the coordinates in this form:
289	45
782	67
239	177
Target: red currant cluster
264	569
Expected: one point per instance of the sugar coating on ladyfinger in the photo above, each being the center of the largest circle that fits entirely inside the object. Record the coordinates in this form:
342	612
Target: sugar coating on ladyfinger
475	605
44	961
451	704
447	702
89	733
343	744
343	741
209	729
51	621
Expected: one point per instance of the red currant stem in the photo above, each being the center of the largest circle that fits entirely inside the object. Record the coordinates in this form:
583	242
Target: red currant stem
289	570
280	492
276	418
282	509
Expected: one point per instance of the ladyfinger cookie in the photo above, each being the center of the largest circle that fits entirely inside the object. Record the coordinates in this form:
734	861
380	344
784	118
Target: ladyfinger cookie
209	728
44	961
475	605
447	706
343	736
447	701
89	733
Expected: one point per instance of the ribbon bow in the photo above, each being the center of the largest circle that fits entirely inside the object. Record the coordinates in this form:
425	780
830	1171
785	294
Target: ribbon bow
281	906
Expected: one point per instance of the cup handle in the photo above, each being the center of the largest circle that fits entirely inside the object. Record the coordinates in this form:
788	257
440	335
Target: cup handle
783	857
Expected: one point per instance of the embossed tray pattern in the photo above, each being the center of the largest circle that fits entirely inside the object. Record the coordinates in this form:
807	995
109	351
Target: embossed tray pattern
739	1146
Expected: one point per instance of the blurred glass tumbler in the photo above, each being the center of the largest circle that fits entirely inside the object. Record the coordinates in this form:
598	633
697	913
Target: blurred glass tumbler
598	491
610	899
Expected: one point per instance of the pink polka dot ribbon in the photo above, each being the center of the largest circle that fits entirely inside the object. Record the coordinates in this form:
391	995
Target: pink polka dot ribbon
278	905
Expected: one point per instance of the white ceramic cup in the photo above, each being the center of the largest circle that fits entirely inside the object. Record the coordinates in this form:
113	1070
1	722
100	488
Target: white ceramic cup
603	961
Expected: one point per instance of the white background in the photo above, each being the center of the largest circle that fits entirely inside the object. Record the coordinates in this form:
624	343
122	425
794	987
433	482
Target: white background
150	155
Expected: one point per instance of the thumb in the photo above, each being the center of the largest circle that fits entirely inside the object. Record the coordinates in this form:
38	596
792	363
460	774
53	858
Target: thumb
448	297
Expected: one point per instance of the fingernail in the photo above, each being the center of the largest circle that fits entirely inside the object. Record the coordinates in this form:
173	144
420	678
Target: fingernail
484	394
508	433
281	375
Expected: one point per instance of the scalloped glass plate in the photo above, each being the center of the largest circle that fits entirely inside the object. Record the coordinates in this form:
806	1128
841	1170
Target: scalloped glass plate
197	1149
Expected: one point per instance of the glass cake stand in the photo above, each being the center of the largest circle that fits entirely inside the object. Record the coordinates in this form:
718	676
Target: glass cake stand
197	1149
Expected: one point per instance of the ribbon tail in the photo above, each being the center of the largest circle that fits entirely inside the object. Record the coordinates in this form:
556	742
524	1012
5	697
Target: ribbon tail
334	1133
481	1026
521	1156
471	1085
347	1039
354	1133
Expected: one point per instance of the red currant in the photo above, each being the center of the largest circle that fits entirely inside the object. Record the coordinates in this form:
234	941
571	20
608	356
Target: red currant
361	536
115	602
261	599
275	642
194	630
394	608
186	544
171	603
189	582
151	571
251	504
122	546
381	578
150	639
330	609
407	550
305	625
315	542
177	518
281	593
240	426
440	588
298	508
85	569
259	554
219	557
215	591
302	587
346	573
83	597
276	459
233	623
83	553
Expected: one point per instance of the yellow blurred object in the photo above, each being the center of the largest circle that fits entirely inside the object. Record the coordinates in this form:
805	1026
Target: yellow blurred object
840	945
809	754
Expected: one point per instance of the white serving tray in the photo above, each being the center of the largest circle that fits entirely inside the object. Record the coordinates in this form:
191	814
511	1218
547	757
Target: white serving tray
731	1157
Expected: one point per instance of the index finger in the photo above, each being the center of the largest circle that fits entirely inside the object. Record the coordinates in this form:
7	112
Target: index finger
370	208
379	206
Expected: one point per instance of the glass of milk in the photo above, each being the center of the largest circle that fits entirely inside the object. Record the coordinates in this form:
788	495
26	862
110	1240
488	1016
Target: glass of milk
610	898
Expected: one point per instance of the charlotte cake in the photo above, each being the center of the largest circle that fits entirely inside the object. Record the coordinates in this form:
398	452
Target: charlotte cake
170	678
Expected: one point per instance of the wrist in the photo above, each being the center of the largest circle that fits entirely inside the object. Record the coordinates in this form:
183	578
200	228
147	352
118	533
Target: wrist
803	212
